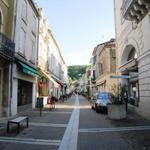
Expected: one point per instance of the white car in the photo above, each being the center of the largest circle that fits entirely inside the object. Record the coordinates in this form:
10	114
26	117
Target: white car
101	100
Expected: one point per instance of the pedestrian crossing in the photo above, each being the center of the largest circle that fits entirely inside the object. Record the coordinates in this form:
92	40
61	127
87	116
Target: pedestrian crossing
48	124
30	141
115	129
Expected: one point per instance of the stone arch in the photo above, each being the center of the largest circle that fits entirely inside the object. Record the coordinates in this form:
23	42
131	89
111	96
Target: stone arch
126	48
128	53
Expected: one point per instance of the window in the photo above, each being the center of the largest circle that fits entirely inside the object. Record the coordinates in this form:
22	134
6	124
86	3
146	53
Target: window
24	11
94	60
94	75
52	62
100	66
32	57
122	18
113	53
22	41
0	22
34	25
112	60
149	20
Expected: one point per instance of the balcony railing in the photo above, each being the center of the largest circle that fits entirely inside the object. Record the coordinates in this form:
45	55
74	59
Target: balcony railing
7	47
135	10
125	6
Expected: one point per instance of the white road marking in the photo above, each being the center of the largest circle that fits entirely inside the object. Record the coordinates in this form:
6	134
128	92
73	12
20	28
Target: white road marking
49	112
69	141
30	141
47	124
115	129
58	112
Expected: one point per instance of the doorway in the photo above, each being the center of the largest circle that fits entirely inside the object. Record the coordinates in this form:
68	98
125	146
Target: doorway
1	83
24	92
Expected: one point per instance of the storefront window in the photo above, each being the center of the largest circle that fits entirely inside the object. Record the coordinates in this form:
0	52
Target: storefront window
24	92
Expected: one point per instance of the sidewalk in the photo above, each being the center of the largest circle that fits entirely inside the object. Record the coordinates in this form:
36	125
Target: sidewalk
98	132
45	132
49	118
133	118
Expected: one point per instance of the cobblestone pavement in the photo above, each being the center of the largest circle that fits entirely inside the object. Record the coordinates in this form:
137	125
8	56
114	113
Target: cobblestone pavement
73	125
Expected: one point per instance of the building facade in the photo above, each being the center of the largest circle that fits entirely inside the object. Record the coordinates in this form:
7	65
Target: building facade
106	66
57	68
25	71
93	72
43	55
53	69
7	51
132	21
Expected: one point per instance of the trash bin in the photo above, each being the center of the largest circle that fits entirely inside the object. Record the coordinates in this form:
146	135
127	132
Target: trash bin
39	102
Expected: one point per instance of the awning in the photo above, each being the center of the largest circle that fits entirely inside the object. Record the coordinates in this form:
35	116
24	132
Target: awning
57	79
101	82
28	69
50	78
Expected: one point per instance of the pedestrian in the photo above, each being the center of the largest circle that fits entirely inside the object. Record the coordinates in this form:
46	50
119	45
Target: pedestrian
126	100
49	101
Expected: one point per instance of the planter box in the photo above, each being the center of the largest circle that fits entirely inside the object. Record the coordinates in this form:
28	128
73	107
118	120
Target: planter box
116	111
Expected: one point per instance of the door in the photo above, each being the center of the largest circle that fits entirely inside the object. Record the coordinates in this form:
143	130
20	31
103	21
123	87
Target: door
1	92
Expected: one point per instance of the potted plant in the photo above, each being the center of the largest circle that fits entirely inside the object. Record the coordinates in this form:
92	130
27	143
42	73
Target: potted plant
117	109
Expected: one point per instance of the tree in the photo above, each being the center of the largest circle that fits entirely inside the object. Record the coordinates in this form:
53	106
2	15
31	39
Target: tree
76	71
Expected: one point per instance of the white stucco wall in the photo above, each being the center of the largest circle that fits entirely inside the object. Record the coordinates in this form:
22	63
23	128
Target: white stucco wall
138	38
27	27
31	35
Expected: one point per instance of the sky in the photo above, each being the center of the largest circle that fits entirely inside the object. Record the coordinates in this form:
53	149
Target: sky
79	25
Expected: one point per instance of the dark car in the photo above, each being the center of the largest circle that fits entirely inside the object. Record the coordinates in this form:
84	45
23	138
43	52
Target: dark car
101	101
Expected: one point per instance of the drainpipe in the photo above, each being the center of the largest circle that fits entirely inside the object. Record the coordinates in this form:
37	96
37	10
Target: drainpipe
10	87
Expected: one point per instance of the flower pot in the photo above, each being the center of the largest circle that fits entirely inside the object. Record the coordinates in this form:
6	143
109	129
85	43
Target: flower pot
116	111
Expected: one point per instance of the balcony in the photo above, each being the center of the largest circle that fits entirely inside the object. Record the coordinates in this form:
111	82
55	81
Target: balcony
135	10
7	47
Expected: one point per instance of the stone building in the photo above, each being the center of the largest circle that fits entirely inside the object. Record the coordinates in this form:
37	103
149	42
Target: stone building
105	66
53	70
132	23
25	71
7	51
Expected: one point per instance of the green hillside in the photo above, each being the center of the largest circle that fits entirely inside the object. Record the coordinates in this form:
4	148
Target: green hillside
76	71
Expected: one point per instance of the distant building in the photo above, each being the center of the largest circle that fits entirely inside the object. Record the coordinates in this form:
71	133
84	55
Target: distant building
53	70
105	66
93	71
88	81
132	21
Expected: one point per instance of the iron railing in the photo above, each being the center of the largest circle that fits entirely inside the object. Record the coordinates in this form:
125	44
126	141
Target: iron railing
125	5
7	47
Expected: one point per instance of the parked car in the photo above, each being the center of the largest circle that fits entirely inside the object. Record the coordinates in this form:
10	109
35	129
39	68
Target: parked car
101	100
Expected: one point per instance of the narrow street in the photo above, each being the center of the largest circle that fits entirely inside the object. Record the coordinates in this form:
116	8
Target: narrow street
73	125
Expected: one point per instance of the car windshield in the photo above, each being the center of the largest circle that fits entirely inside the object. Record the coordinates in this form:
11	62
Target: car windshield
103	96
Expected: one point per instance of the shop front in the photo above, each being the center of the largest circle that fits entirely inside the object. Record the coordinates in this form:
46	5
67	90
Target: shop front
47	86
24	86
24	92
130	68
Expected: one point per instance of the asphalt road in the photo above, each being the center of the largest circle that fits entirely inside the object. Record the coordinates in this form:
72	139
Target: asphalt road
73	125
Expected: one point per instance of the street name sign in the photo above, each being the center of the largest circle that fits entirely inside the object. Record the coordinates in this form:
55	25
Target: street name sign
120	76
